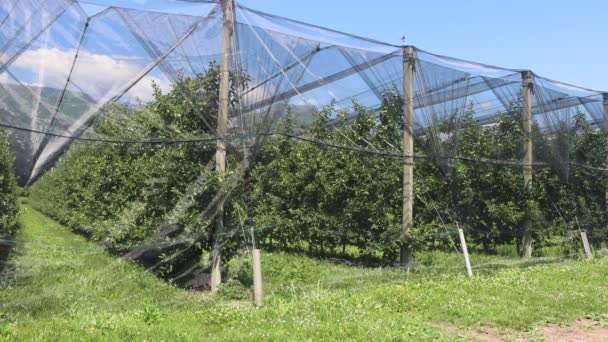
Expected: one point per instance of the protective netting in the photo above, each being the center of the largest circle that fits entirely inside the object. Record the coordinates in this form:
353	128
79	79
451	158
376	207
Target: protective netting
118	105
62	64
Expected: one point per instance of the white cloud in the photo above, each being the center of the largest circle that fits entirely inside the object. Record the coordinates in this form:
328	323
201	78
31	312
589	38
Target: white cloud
305	101
100	76
5	78
484	105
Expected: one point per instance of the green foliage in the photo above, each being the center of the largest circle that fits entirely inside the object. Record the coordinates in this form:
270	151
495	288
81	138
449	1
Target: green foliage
330	198
149	314
329	201
105	298
122	194
22	192
233	289
95	185
240	269
8	190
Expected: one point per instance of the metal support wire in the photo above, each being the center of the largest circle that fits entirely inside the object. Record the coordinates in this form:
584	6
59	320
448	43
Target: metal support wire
10	61
362	74
87	119
319	83
45	138
9	13
160	58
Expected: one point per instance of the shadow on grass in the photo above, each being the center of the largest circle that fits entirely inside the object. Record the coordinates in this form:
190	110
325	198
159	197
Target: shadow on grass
523	263
427	262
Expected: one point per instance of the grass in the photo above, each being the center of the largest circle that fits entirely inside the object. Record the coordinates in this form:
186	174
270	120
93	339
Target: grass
66	288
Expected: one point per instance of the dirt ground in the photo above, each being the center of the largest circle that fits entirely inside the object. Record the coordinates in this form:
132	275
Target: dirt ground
581	330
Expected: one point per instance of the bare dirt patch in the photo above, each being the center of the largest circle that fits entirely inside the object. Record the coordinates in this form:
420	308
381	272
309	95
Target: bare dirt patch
486	336
580	330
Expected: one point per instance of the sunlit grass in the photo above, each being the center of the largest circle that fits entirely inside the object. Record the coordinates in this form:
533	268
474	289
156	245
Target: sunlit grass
67	288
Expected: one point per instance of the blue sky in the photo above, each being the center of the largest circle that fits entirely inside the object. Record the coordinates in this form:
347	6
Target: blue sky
562	40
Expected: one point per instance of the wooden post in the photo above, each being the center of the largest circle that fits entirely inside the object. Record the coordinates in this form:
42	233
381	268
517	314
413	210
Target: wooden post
605	95
408	151
465	252
527	160
258	294
586	246
222	124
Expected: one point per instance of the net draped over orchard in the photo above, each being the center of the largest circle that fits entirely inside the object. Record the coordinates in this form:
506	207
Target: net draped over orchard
113	117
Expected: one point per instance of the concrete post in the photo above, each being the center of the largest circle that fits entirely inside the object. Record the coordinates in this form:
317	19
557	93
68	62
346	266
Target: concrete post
586	245
258	294
465	253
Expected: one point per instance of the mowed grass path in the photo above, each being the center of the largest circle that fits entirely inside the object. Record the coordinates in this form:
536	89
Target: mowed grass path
67	288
